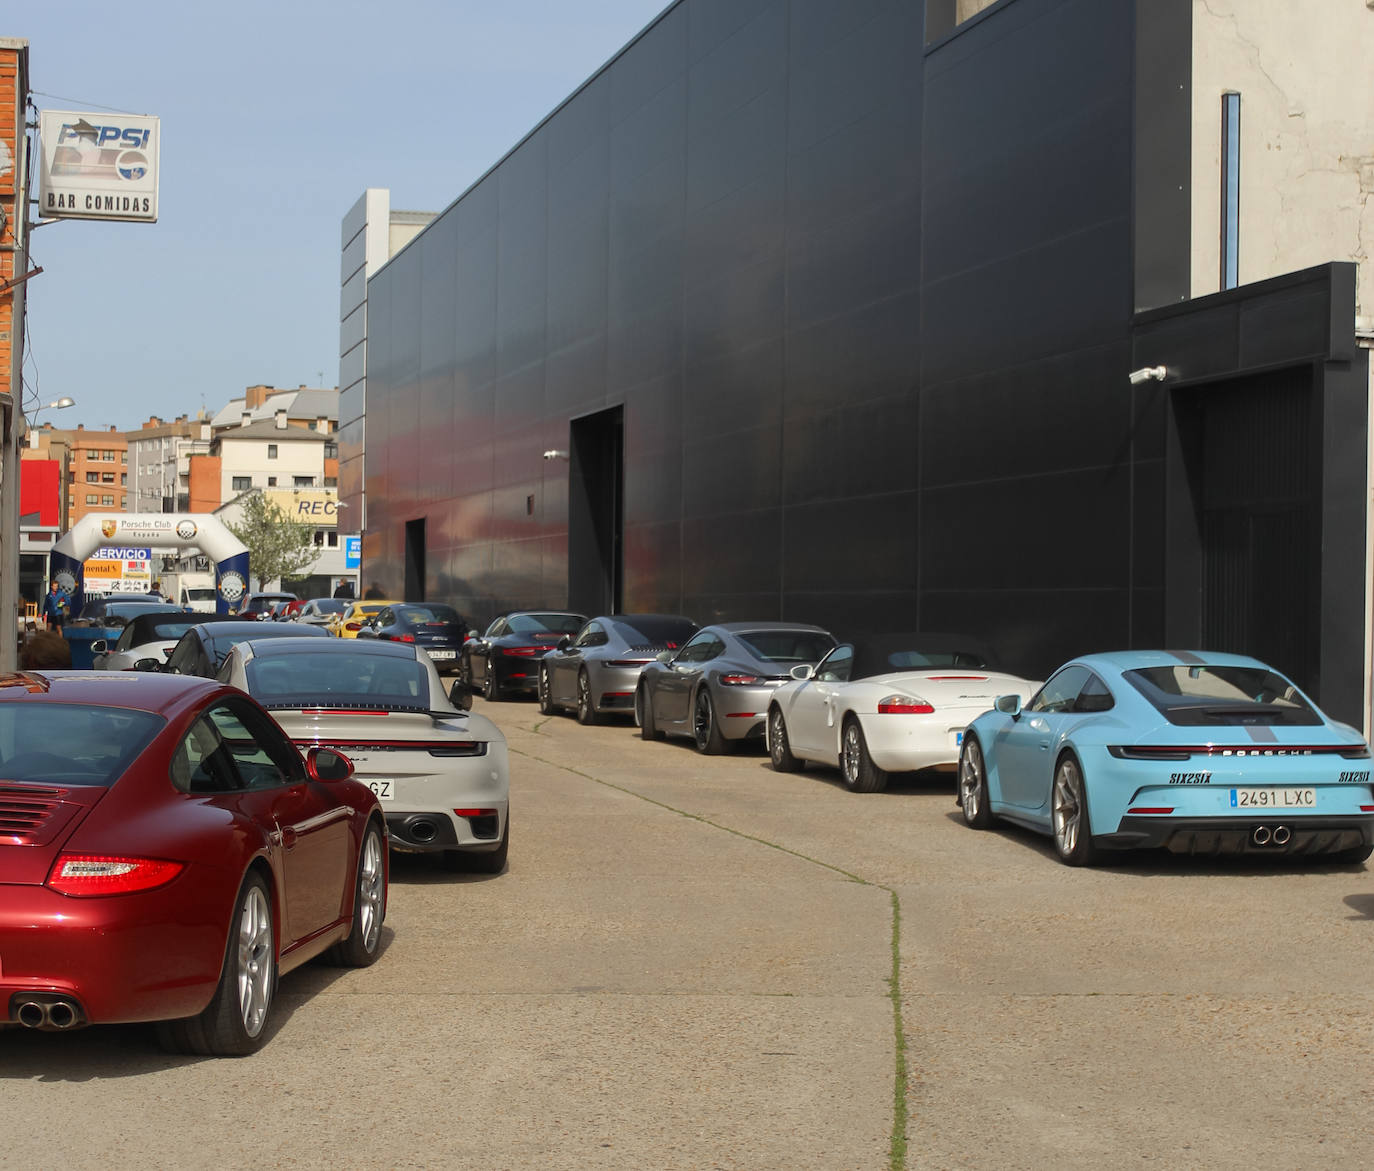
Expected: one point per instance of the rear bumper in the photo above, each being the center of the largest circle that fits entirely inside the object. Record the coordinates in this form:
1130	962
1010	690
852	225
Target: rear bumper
1305	835
123	958
426	832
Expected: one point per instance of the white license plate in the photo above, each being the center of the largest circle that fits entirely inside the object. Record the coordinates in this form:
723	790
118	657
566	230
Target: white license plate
442	654
385	789
1273	798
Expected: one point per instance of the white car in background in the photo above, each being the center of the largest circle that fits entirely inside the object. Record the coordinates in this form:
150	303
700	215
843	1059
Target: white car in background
441	773
883	704
151	635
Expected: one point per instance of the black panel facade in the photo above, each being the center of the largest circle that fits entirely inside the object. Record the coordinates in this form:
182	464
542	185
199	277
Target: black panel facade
849	310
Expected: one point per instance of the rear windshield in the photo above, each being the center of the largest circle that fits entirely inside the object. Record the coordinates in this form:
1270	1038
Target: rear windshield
669	633
71	744
788	646
545	623
330	606
1200	695
315	679
423	615
171	628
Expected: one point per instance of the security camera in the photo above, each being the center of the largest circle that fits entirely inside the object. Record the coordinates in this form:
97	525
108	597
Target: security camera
1147	374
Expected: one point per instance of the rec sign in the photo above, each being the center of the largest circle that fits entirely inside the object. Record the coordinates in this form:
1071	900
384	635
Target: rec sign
98	166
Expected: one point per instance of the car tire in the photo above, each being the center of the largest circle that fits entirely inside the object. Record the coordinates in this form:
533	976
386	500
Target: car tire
779	747
706	732
973	785
235	1022
644	714
363	944
545	692
861	775
489	688
1069	820
586	707
471	862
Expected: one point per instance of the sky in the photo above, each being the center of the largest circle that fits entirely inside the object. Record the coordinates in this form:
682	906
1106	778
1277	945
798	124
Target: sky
275	118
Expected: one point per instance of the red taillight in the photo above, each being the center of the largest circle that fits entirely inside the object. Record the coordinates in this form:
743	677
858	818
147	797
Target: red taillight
353	625
519	650
475	812
740	680
108	874
1367	808
903	705
1151	809
397	637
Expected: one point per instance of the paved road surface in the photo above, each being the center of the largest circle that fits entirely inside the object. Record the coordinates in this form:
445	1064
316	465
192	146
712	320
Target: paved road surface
688	964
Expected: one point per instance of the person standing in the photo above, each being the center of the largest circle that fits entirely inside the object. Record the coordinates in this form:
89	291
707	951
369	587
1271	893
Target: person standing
55	606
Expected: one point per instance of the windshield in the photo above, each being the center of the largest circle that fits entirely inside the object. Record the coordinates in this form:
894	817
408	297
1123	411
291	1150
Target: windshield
71	744
655	631
201	595
341	679
787	646
1201	695
330	606
428	615
170	629
545	623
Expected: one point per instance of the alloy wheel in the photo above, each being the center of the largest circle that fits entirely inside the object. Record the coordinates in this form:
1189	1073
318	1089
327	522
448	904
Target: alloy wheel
371	890
255	962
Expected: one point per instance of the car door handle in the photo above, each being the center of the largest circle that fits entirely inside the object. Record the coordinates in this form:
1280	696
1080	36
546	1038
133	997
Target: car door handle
1044	745
288	838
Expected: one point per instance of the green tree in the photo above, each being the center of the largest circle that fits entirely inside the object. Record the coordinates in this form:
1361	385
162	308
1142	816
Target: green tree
277	545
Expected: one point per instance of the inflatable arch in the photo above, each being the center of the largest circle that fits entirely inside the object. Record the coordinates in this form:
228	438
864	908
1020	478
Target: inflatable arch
159	530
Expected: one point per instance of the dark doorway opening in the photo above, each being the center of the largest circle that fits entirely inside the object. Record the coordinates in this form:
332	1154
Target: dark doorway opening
1253	468
596	519
415	560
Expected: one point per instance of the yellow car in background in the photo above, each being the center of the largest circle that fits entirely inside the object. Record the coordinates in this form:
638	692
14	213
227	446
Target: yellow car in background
346	625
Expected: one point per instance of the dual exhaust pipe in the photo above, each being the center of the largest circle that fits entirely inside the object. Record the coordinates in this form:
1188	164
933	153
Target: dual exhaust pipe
58	1013
1262	835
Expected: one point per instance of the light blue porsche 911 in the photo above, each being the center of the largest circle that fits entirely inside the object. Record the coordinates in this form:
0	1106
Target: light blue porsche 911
1198	753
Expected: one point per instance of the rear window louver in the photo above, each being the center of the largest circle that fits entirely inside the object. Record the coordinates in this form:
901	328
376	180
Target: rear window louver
312	705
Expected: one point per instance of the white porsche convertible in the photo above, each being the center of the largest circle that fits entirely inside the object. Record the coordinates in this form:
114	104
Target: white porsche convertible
883	704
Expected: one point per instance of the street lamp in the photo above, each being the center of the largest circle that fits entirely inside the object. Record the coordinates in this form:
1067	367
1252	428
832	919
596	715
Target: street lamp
31	417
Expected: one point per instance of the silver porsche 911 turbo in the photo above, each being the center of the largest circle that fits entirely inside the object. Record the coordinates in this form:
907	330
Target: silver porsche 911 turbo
440	772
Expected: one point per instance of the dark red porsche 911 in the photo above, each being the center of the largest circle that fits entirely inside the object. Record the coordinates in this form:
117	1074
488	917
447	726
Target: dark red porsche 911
166	854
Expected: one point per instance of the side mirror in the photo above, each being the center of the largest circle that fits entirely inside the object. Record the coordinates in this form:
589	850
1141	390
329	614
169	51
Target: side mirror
460	695
666	656
563	643
802	672
100	647
147	665
1008	705
327	764
473	634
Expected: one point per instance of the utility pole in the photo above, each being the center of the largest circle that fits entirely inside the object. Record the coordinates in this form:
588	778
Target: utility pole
14	93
